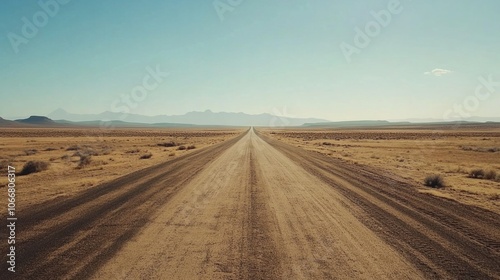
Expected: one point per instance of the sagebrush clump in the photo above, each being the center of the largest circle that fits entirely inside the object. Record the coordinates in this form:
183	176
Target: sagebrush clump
34	167
477	173
434	181
84	160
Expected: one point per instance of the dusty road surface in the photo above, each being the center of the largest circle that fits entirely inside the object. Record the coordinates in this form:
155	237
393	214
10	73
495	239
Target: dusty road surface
255	208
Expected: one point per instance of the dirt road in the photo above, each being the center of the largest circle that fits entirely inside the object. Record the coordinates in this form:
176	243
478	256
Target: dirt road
255	208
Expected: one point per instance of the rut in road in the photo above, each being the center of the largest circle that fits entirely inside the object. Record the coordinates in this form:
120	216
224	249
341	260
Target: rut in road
256	208
254	214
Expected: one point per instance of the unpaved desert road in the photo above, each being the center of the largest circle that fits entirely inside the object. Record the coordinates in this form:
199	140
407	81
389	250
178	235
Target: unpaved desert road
256	208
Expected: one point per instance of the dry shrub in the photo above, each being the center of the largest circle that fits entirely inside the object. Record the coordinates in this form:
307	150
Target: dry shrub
34	167
486	175
181	148
50	149
134	151
171	154
73	148
106	151
89	151
434	181
30	152
4	165
84	160
146	156
167	144
490	175
481	149
477	174
191	147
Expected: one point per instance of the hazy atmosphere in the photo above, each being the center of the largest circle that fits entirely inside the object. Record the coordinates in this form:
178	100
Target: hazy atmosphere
333	60
238	139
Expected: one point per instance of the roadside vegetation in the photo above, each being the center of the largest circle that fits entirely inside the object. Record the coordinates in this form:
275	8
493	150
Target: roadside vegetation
434	181
34	167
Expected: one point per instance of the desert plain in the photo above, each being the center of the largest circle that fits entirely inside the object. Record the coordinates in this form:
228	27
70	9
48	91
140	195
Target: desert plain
255	203
413	153
80	158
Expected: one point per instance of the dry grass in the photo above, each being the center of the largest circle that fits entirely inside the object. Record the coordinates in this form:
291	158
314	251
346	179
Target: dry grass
83	158
412	154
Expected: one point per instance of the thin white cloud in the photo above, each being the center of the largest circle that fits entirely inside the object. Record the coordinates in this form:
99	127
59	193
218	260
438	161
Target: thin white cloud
438	72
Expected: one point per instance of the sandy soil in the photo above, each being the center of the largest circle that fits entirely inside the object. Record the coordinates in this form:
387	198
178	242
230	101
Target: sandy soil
256	208
113	153
413	154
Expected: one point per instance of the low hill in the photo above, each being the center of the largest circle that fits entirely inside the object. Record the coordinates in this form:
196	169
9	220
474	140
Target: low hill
119	124
402	125
354	124
7	123
38	120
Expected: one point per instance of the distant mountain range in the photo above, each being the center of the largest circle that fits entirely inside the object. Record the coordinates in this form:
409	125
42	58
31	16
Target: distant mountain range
470	119
193	118
354	124
61	118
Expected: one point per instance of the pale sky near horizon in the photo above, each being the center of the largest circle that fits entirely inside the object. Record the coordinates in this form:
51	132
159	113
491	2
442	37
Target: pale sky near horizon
256	57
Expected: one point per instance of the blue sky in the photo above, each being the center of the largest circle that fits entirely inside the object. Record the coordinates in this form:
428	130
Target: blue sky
253	57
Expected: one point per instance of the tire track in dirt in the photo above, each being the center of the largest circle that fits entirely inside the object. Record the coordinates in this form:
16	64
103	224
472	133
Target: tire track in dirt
317	236
73	237
444	239
254	214
203	232
256	208
264	263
